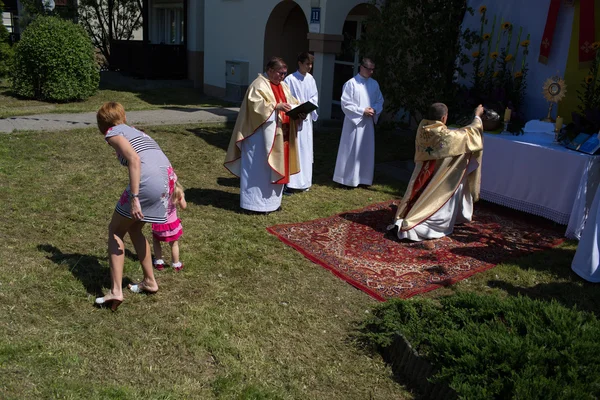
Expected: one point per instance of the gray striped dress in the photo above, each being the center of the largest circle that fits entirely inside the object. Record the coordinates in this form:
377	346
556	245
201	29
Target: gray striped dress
157	178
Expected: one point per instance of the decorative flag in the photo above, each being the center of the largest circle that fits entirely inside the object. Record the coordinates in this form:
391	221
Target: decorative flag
586	33
546	44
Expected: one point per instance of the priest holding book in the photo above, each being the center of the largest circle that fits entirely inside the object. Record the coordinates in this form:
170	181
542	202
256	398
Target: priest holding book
304	88
263	149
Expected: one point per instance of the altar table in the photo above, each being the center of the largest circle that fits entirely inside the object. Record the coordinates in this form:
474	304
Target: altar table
532	173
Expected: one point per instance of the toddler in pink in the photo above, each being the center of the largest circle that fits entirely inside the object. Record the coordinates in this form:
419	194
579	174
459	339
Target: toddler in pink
170	231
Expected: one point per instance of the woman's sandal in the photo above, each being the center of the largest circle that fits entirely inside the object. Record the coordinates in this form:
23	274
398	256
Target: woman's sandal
140	288
113	304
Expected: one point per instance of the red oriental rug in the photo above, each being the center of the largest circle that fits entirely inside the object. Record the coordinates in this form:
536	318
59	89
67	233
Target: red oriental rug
355	247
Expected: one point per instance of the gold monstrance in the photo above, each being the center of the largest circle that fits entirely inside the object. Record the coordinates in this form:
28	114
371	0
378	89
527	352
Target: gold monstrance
554	90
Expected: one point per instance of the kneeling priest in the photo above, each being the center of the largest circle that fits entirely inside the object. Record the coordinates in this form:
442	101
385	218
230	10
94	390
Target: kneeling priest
446	178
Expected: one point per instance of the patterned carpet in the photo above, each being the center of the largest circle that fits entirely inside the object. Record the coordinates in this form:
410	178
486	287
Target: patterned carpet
355	247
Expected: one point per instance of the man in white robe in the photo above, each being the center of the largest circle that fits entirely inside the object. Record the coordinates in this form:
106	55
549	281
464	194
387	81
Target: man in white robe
362	104
304	88
262	150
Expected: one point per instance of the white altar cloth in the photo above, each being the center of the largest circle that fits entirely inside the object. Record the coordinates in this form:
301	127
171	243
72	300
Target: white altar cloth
533	174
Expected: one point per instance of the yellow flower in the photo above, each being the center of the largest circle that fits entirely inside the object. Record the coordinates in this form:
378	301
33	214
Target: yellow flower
480	74
589	79
475	54
496	73
482	9
494	55
506	26
595	45
525	43
518	74
486	37
508	58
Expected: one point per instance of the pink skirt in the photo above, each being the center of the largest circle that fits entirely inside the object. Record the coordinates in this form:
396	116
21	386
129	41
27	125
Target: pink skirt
168	232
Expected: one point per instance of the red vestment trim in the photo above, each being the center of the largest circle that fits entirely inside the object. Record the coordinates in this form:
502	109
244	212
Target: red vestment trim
285	127
546	44
420	184
586	33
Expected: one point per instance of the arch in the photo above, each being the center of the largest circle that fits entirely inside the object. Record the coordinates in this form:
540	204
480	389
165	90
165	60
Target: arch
347	61
286	33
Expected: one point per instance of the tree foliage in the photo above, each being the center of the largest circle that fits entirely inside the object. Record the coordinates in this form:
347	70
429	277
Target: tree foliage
6	51
33	8
54	60
417	46
109	20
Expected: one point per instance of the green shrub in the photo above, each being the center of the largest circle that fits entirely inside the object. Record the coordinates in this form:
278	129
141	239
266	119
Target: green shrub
54	60
488	347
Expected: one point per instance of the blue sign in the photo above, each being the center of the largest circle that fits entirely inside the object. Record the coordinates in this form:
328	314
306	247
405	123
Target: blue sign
315	15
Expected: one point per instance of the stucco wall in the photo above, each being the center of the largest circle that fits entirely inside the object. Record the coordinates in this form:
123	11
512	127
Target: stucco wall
235	29
531	15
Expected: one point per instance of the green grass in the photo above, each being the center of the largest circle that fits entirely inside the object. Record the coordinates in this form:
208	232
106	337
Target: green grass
152	99
247	318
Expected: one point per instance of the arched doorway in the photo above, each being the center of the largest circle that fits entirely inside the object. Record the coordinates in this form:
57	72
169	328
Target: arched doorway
286	33
347	61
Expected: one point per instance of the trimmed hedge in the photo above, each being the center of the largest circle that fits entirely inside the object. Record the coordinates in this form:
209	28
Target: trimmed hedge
489	347
54	61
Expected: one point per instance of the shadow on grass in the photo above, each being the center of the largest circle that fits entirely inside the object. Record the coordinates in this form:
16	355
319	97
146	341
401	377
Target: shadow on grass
567	288
229	182
86	268
216	139
215	198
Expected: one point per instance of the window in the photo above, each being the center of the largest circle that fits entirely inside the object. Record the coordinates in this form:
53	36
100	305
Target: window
169	25
346	63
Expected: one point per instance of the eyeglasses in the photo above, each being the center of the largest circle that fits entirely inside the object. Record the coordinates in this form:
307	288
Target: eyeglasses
368	69
282	73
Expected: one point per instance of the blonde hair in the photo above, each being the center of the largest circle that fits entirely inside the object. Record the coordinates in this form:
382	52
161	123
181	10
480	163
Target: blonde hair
177	194
110	114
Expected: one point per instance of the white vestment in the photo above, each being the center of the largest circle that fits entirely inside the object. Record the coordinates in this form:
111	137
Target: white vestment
257	193
355	162
457	210
586	262
304	88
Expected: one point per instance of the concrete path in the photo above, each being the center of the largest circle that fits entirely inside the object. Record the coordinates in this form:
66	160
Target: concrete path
163	116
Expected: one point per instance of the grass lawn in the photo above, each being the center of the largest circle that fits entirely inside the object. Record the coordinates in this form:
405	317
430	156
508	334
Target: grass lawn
247	318
11	105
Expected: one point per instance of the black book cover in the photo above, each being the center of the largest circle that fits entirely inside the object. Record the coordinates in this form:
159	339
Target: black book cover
305	108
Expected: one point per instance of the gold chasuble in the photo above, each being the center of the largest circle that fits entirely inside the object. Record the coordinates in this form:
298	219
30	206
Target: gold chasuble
442	158
258	105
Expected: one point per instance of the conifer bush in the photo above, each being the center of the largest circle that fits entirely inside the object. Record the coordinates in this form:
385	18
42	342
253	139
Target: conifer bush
54	61
490	347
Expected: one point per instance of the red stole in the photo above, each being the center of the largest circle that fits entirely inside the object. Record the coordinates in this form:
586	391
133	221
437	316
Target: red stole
549	31
586	33
285	127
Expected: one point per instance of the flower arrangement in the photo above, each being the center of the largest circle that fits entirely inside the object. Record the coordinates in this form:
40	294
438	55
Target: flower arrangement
499	69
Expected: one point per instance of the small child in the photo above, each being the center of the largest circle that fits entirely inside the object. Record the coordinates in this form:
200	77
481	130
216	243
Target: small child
169	231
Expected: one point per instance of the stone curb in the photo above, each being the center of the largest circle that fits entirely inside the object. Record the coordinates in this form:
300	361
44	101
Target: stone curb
407	363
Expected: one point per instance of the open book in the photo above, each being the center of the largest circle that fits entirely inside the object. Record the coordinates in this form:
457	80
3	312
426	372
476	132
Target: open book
591	145
305	108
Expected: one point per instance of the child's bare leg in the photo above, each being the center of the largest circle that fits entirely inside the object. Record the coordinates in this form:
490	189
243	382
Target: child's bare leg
174	251
157	248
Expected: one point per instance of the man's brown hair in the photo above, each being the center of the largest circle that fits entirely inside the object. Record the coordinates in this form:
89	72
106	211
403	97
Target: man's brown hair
275	63
437	111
